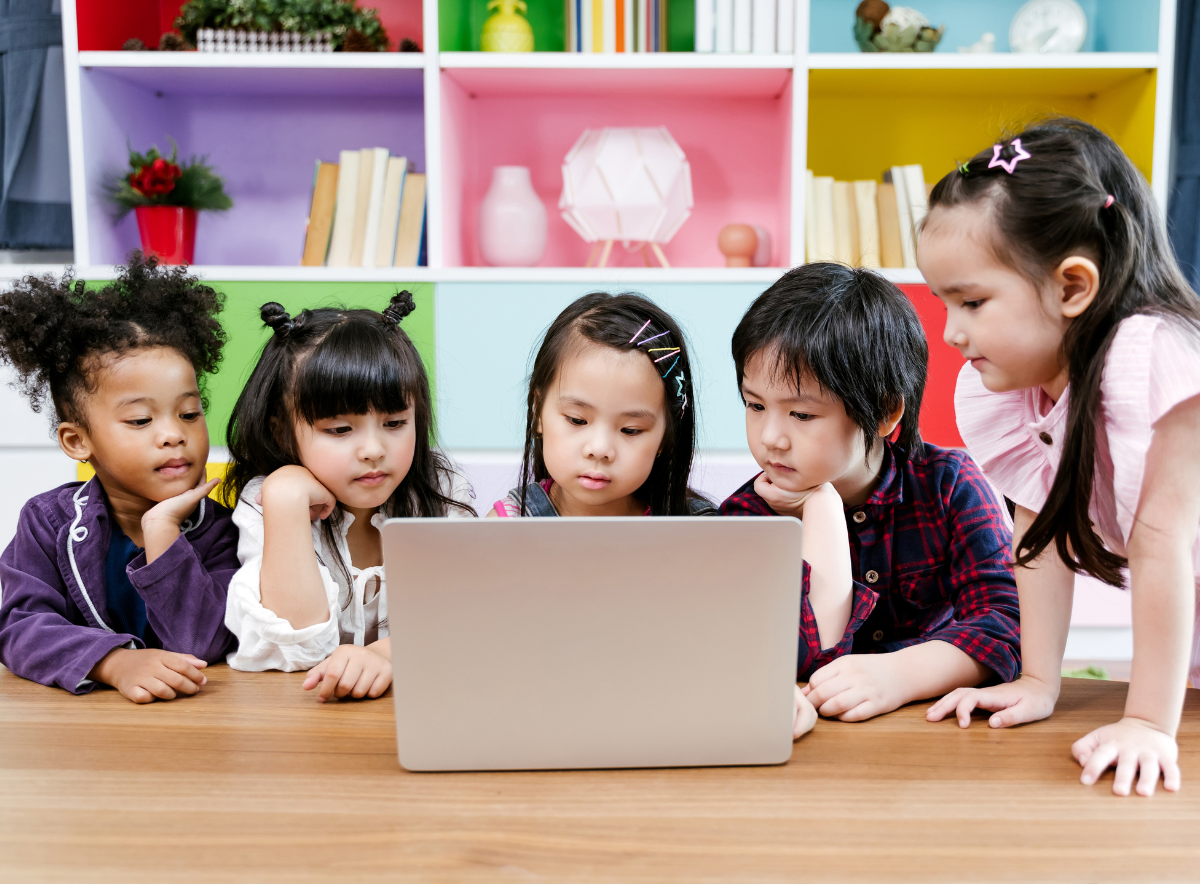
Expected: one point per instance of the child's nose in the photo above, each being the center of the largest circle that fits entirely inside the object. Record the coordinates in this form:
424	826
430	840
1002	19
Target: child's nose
598	445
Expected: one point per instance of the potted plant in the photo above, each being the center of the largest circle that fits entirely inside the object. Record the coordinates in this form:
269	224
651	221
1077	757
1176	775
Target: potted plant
166	196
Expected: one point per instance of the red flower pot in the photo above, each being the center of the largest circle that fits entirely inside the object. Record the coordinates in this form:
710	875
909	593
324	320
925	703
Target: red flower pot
168	233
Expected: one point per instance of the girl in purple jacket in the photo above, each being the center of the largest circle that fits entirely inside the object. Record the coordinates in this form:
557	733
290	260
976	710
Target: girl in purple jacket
120	580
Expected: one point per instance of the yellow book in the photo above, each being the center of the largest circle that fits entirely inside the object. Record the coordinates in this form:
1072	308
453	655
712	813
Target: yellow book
891	253
845	224
868	223
320	215
412	221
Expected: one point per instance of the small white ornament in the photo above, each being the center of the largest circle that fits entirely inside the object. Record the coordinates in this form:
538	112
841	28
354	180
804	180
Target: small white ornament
1046	26
904	17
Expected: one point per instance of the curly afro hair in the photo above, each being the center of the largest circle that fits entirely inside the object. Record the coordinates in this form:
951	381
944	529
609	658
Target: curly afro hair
55	333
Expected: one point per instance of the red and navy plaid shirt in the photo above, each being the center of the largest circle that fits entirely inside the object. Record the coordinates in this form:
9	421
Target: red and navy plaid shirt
930	549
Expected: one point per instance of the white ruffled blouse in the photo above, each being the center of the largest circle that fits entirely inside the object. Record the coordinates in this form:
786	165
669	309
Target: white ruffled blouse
357	609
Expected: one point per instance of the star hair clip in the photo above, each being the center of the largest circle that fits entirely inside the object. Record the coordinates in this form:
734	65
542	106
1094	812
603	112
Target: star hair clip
1009	165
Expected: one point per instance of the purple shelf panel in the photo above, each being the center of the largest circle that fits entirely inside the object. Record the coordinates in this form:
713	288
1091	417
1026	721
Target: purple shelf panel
263	134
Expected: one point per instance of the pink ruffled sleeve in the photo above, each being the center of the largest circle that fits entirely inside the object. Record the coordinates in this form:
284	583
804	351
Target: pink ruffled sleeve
1152	366
1002	438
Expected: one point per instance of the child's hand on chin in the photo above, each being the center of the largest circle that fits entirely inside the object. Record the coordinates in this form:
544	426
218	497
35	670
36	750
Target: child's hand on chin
293	485
790	503
148	674
856	687
350	671
1129	744
806	715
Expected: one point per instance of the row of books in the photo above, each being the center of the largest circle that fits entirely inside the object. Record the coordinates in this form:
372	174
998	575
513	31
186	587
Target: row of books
367	210
616	25
866	223
762	26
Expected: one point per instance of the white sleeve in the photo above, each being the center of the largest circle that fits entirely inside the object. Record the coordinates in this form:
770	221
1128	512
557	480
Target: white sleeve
265	640
460	490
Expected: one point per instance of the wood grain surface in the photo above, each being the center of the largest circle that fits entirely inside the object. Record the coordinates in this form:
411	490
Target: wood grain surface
253	780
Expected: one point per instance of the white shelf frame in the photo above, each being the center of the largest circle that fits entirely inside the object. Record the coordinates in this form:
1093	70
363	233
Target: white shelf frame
432	62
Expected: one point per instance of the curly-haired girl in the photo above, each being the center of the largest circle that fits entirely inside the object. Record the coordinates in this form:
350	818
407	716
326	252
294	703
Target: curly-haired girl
120	580
330	437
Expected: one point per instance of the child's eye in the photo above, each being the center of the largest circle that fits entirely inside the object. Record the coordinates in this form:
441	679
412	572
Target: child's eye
632	431
577	421
396	424
802	416
139	422
754	406
337	431
972	305
189	416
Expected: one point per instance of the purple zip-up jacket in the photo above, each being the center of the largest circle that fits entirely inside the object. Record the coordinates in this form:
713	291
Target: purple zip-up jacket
53	614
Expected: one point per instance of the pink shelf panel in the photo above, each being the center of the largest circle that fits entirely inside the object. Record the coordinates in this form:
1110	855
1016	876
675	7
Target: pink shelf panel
737	142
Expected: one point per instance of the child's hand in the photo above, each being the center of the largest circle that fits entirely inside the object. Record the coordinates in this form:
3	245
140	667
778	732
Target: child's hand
350	671
146	674
1129	744
790	503
1026	699
857	687
806	715
294	485
160	523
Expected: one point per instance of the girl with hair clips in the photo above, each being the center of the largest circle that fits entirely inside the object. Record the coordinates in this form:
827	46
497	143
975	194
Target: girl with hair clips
330	437
120	580
1081	401
610	427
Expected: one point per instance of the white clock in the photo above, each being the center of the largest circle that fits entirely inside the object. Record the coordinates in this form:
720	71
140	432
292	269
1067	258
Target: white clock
1048	26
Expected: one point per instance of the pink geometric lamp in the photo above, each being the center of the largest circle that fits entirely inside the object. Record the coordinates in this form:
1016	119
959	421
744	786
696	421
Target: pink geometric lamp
633	185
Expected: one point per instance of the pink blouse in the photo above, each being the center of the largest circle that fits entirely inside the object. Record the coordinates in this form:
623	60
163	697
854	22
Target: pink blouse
1016	437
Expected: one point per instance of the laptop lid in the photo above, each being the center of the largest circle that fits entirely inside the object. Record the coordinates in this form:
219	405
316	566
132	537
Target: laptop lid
523	644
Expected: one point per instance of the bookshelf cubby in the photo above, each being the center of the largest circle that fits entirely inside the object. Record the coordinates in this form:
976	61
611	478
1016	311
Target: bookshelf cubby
750	125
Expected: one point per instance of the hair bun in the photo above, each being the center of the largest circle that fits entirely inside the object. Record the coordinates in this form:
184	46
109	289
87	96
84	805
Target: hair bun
276	317
401	305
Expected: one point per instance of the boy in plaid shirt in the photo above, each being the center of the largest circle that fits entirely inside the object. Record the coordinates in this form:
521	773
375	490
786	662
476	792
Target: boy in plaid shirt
907	588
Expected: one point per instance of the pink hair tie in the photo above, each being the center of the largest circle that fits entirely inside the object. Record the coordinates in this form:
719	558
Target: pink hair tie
1108	202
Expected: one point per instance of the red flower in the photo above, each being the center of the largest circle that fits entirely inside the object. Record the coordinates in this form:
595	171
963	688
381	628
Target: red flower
156	178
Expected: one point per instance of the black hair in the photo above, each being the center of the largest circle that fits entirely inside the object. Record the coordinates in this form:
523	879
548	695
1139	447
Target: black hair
625	322
1076	193
56	332
327	362
853	333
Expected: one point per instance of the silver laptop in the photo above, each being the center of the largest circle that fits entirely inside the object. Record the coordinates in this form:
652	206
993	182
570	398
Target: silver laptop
522	644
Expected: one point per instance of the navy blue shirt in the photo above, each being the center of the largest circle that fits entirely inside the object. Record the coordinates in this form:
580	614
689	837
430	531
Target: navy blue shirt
126	609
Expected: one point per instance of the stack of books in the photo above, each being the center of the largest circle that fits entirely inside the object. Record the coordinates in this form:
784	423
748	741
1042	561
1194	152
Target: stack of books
866	223
368	210
762	26
616	25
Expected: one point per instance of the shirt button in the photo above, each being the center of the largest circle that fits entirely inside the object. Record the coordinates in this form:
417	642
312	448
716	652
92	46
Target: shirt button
872	576
859	517
1046	438
877	635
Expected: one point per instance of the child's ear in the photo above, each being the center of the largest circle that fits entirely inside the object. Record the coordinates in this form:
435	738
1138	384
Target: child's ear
1076	282
888	425
72	439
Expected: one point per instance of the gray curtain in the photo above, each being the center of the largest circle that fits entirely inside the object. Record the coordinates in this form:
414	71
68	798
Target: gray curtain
35	190
1184	214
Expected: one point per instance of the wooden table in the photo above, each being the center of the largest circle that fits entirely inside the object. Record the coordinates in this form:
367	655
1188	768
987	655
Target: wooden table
253	780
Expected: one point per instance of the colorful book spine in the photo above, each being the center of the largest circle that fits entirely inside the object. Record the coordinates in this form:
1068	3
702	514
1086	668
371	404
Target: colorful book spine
762	39
706	34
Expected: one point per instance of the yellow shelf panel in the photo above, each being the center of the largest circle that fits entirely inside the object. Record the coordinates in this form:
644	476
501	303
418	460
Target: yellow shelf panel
862	122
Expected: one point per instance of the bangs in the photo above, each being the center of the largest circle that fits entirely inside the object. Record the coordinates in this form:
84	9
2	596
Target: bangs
357	368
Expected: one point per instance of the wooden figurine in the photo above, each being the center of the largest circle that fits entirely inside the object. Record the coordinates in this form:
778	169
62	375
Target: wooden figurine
738	242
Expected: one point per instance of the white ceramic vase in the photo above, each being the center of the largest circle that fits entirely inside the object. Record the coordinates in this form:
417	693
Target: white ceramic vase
512	220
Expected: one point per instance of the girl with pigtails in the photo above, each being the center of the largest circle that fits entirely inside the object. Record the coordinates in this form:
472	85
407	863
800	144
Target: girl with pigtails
330	437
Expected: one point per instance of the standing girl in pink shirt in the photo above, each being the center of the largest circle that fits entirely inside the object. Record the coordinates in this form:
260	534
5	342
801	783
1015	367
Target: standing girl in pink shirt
1081	401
